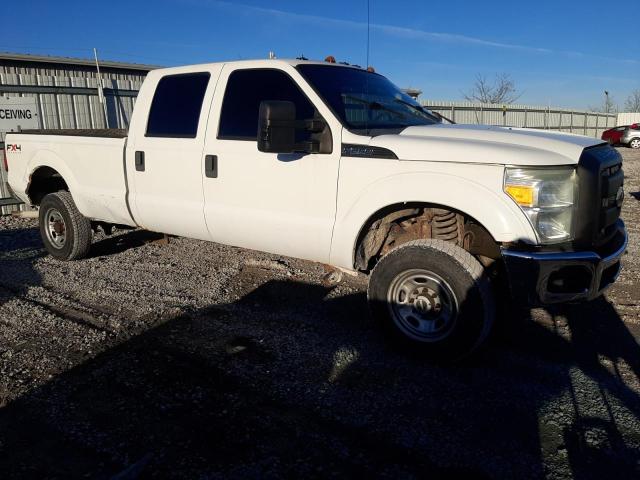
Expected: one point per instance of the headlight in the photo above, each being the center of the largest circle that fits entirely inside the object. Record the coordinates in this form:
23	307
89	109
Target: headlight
547	197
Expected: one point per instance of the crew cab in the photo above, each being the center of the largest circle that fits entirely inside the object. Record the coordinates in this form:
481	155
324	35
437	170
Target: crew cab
334	164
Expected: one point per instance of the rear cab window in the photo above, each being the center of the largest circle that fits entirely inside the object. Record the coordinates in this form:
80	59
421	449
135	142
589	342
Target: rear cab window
176	106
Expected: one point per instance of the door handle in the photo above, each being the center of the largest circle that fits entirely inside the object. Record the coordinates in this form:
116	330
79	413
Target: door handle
211	166
139	161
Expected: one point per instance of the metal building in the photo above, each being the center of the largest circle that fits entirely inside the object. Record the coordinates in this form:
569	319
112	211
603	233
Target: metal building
63	92
66	89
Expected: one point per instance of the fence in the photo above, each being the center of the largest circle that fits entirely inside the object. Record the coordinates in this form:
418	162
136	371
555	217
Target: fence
527	116
627	118
71	102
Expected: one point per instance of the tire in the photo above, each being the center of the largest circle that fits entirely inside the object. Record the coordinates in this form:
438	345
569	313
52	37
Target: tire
433	298
634	143
65	232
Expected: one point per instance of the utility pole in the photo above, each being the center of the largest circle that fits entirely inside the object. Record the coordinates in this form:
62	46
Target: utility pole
101	90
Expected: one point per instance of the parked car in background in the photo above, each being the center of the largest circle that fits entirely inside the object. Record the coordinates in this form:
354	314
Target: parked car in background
631	136
613	135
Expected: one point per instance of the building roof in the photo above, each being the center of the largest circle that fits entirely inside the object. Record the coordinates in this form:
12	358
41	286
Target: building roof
25	57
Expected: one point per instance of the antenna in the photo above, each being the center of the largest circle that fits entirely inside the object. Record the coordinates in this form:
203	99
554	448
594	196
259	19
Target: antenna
101	90
368	29
367	112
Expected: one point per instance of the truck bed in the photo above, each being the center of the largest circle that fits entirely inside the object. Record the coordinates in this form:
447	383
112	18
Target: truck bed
84	132
91	162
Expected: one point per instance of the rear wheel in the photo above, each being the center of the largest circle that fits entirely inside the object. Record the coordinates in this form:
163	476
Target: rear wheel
432	297
65	232
635	143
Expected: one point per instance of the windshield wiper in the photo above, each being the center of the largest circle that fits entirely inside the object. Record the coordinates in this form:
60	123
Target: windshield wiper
375	105
420	109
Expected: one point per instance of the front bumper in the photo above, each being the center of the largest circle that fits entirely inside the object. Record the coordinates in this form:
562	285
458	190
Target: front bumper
542	278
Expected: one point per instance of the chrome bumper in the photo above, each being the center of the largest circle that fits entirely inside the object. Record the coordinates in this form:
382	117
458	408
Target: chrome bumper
543	278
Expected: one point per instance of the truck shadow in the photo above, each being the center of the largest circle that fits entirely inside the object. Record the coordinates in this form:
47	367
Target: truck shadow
19	249
597	360
292	380
122	242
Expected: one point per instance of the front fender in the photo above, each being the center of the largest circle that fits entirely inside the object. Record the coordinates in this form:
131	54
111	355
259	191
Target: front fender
481	198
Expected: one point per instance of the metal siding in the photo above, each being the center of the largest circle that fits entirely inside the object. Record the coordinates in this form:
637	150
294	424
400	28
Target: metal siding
81	105
66	114
48	104
97	110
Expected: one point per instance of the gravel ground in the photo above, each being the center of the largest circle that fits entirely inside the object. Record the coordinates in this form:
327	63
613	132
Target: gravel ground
196	360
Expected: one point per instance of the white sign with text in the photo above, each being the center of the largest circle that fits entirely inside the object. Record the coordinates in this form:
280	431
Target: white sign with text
18	113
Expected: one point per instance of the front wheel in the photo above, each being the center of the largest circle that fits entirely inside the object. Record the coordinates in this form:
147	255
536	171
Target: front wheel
433	297
65	232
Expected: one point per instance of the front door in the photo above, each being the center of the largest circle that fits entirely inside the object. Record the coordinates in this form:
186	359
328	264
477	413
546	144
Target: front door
279	203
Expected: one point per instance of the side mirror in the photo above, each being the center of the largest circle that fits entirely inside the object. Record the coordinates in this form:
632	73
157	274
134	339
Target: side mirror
277	127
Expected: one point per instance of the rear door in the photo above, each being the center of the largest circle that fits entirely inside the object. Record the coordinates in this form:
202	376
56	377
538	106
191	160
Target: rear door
279	203
165	153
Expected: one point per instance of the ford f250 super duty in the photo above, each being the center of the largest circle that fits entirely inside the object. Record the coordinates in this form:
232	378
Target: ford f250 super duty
334	164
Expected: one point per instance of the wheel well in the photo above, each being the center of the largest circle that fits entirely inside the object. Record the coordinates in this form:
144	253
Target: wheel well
45	180
400	223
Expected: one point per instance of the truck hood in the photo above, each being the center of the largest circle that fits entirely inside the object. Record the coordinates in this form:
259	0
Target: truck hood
485	144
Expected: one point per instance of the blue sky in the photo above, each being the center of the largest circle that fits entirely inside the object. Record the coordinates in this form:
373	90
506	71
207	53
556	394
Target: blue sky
563	52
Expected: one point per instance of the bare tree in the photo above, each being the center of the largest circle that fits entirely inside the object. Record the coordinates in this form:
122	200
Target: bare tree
501	90
633	102
608	105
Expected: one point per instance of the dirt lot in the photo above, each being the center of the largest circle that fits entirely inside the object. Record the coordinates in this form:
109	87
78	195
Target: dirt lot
194	360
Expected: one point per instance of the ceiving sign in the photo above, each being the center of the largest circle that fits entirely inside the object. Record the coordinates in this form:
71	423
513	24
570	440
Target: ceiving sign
18	113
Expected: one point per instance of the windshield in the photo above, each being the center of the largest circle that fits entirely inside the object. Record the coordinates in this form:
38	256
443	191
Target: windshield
365	101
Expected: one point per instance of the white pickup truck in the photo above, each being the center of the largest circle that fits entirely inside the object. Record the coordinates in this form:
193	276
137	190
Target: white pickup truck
334	164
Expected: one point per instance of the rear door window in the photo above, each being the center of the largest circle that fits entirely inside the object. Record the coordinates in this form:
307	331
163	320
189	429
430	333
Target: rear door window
176	106
245	90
